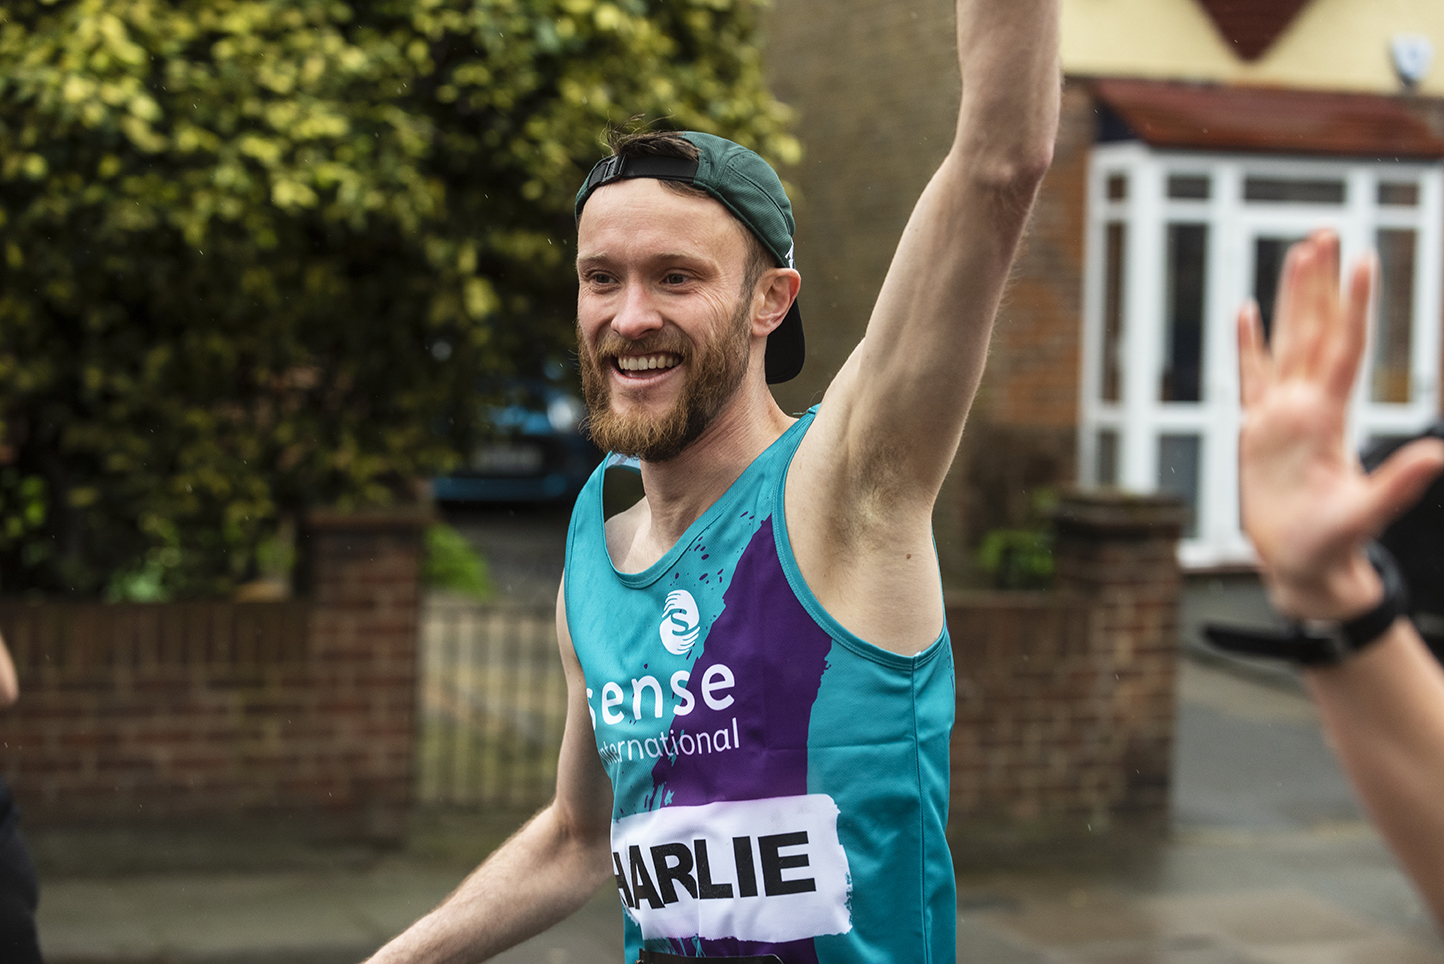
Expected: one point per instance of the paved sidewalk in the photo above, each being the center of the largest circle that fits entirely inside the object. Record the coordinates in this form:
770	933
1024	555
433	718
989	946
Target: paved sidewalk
1270	864
251	918
1325	898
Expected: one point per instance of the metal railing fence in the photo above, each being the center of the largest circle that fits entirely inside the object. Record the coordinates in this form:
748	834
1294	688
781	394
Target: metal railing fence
492	704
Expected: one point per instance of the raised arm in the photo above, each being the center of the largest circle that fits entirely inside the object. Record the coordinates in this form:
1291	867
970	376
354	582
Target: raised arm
1310	510
862	485
906	390
548	869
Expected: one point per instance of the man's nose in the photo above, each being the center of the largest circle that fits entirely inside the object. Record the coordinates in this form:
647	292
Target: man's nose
637	315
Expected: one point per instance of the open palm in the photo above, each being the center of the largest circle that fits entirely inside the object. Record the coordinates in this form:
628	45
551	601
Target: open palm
1308	506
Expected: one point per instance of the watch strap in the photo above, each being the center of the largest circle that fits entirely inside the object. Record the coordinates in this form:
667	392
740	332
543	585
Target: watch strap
1323	643
1293	645
1367	628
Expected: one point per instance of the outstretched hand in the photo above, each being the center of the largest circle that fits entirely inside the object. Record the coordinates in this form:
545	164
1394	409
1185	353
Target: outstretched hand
1308	505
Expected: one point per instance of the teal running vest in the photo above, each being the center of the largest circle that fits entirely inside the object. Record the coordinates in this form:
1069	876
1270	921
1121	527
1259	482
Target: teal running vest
780	785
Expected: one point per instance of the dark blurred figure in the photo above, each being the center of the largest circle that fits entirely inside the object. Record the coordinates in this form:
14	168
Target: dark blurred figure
1416	540
19	890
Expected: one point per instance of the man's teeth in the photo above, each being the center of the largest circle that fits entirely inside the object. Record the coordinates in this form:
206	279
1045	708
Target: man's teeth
640	363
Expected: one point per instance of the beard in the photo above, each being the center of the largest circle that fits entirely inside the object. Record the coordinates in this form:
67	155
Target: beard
714	372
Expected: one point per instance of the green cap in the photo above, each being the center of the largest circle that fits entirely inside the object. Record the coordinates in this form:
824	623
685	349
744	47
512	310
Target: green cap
750	189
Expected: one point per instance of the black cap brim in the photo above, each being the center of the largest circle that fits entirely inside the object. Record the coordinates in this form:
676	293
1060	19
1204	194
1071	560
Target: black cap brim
786	350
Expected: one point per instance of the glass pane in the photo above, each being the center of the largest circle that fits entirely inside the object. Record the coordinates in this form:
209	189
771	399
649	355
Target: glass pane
1287	190
1399	194
1393	331
1106	469
1113	251
1117	187
1183	323
1190	187
1383	443
1178	463
1268	265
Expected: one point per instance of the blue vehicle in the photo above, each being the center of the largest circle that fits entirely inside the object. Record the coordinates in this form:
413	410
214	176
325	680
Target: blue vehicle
536	451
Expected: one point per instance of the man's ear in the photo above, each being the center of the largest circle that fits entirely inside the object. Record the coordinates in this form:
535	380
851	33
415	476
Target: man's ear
776	291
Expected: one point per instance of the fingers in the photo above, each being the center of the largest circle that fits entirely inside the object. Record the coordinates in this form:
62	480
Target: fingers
1340	365
1308	304
1317	336
1397	484
1323	313
1285	327
1255	367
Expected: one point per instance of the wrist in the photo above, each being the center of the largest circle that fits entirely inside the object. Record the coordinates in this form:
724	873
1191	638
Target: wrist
1332	617
1341	592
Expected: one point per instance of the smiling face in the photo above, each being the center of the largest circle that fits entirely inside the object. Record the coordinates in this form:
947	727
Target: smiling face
664	316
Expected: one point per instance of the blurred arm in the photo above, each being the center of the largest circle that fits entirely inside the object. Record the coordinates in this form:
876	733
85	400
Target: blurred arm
1310	509
1383	712
548	869
9	682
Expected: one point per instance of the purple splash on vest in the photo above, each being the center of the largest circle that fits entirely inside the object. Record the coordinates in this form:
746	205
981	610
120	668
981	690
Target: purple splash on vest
777	655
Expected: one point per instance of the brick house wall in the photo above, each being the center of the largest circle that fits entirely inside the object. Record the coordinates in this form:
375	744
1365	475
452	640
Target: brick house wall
206	710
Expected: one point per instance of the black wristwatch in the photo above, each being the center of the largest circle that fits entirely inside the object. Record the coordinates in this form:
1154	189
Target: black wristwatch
1323	642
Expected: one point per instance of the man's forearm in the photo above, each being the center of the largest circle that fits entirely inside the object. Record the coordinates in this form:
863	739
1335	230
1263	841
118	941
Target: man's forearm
1008	55
1384	714
538	877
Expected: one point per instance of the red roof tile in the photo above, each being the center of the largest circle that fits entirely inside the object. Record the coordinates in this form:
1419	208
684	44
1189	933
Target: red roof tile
1251	25
1270	119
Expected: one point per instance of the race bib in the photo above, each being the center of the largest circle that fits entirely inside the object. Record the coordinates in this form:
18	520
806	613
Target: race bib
755	870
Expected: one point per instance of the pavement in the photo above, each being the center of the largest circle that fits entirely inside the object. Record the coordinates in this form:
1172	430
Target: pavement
1269	860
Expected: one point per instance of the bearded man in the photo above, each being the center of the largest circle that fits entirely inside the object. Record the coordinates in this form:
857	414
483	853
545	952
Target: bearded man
759	674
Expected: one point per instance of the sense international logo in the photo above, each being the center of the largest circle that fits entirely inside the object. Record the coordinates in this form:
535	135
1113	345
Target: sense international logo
681	622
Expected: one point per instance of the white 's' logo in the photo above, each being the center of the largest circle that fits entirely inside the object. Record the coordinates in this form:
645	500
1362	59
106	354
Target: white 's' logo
680	622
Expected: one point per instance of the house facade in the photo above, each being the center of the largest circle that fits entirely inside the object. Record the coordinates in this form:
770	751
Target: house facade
1199	138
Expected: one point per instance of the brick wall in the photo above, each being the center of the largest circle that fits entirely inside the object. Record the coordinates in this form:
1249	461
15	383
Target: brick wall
1065	700
203	710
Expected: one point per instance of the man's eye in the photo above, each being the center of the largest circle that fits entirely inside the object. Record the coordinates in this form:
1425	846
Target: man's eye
600	278
675	278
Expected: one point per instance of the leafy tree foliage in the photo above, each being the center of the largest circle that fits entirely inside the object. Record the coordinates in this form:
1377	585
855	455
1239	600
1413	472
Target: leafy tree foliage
254	253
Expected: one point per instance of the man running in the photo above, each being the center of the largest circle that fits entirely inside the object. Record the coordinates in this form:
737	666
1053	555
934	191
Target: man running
759	676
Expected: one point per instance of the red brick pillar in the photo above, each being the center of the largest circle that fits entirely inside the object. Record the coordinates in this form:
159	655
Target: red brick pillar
1119	552
364	582
1065	699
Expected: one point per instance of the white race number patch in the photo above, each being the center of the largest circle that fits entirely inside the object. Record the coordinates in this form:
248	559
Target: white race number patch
756	870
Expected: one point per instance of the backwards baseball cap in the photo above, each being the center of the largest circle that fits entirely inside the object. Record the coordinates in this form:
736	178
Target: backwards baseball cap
748	187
